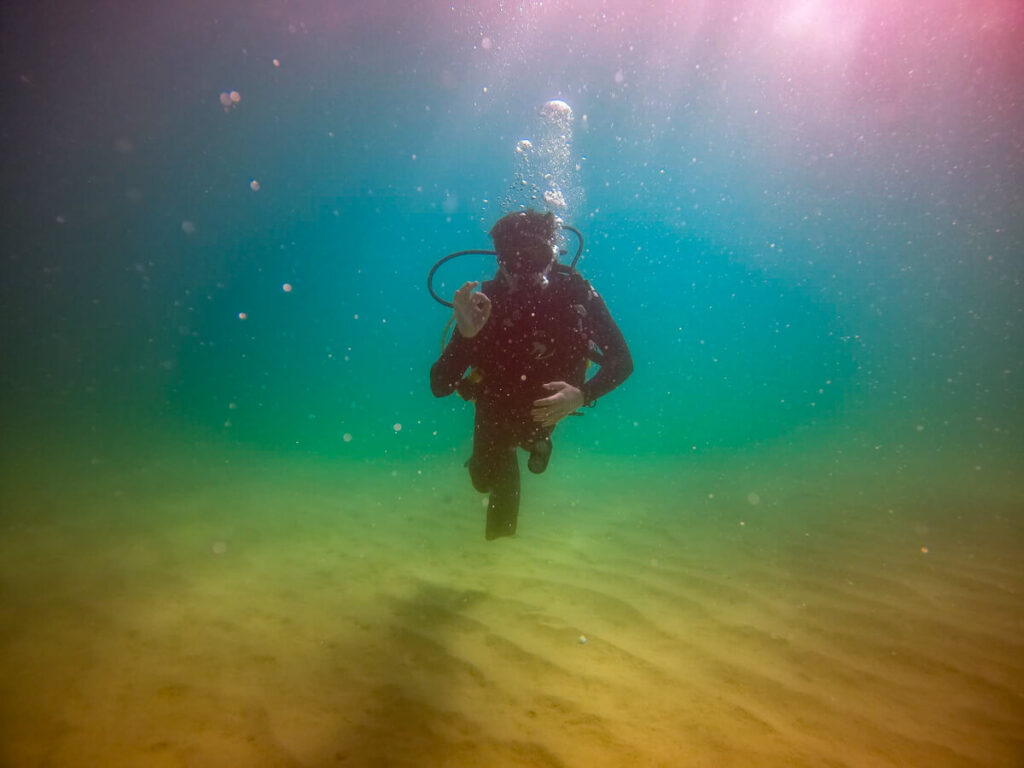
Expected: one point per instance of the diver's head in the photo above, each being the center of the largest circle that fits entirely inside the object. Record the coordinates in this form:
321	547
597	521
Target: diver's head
527	247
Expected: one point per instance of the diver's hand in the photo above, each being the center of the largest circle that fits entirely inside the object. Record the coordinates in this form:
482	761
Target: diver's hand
551	410
471	309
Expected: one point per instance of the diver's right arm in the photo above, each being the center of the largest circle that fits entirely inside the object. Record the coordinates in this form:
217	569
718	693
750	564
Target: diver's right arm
472	310
448	370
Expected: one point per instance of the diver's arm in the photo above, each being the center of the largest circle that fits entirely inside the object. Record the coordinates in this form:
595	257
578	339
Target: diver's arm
617	363
567	399
448	370
472	309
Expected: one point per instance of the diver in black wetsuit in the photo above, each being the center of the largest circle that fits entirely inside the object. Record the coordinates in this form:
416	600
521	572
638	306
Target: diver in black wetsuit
527	335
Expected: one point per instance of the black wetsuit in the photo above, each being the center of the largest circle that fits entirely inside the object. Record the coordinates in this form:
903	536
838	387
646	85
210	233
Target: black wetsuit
531	338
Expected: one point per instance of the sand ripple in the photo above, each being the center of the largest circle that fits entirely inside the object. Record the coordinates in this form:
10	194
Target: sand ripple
357	628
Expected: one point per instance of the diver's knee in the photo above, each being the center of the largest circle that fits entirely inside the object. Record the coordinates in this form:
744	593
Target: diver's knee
482	480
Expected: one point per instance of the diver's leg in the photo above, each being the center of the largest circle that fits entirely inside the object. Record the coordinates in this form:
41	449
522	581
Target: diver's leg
538	445
494	469
503	505
488	444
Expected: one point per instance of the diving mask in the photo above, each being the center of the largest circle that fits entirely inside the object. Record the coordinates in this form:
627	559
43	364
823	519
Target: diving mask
527	264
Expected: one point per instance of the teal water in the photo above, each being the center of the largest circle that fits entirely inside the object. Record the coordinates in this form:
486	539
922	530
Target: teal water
806	221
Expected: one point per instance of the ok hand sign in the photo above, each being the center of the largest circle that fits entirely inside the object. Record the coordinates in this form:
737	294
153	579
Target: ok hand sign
471	309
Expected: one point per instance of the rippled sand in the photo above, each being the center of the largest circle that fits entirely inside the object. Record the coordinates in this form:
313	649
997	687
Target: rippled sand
288	615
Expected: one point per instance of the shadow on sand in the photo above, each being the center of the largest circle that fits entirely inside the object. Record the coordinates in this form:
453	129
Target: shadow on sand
424	697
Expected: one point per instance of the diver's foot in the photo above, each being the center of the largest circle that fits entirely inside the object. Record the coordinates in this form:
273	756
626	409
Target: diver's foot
499	532
502	515
540	454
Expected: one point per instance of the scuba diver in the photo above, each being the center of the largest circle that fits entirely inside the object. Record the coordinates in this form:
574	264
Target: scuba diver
527	337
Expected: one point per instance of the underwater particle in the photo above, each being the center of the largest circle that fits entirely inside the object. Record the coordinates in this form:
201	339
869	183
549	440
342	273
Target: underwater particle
619	77
347	437
287	287
61	219
235	97
583	640
219	547
924	550
397	427
523	146
225	99
254	185
486	43
242	316
277	63
188	227
753	499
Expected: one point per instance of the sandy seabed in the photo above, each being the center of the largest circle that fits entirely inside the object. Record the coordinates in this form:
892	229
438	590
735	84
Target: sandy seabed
262	613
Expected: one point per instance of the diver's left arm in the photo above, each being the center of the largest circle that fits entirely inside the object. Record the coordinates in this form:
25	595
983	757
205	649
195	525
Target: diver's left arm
616	366
617	362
